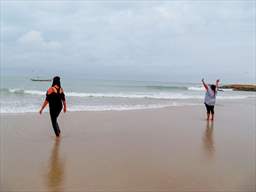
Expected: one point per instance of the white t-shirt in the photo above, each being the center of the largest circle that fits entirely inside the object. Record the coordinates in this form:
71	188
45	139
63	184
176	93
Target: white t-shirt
210	97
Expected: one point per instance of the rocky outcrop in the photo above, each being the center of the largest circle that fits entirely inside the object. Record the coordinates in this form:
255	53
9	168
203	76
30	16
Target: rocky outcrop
240	87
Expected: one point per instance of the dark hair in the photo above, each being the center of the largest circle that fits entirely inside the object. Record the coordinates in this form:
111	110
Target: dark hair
213	87
56	81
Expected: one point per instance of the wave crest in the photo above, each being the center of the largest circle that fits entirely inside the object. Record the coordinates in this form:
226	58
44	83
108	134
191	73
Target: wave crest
131	95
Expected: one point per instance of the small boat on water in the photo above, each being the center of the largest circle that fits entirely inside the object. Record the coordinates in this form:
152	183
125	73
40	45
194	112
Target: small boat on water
38	79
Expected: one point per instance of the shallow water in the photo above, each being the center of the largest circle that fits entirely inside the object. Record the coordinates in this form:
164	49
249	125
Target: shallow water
21	95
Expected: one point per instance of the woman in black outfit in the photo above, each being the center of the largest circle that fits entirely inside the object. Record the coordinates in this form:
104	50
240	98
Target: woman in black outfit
56	98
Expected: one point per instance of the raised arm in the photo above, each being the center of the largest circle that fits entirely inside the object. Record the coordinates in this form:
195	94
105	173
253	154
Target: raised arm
205	86
217	84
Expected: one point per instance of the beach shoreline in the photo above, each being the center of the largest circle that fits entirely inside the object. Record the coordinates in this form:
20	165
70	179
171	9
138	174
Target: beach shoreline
167	149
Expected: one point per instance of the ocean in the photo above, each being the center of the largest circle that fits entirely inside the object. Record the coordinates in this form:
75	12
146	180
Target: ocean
21	95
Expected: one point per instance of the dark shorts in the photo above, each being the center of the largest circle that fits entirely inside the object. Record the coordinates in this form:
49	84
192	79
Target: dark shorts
209	108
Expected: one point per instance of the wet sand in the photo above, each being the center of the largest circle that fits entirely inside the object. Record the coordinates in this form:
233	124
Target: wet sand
171	149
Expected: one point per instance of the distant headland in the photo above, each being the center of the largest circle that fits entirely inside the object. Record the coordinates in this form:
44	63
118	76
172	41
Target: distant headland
240	87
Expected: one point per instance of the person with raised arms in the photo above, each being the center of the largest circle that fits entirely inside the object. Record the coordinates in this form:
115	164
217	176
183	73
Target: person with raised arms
210	98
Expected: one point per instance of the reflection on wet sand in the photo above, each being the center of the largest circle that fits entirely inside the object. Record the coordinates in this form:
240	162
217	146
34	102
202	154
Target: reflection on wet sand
208	139
55	175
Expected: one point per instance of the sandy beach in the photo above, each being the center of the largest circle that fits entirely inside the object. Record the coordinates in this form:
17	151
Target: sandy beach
134	77
169	149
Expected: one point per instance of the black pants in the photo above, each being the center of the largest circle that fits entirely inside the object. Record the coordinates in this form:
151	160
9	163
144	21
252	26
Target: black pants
54	115
209	108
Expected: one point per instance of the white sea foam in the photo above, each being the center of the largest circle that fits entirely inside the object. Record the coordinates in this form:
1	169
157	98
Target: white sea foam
34	92
196	88
22	91
80	108
225	90
16	91
19	109
160	95
201	88
116	107
136	95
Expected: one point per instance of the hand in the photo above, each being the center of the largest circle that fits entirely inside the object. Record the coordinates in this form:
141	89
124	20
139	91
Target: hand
65	110
40	112
203	79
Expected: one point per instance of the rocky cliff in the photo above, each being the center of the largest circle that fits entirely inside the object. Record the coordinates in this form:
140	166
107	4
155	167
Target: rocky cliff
240	87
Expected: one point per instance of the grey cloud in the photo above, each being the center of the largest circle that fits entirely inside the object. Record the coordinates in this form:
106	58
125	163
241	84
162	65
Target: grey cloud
138	37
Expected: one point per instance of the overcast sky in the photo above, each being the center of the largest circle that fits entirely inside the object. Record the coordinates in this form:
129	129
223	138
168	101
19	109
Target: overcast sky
137	40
